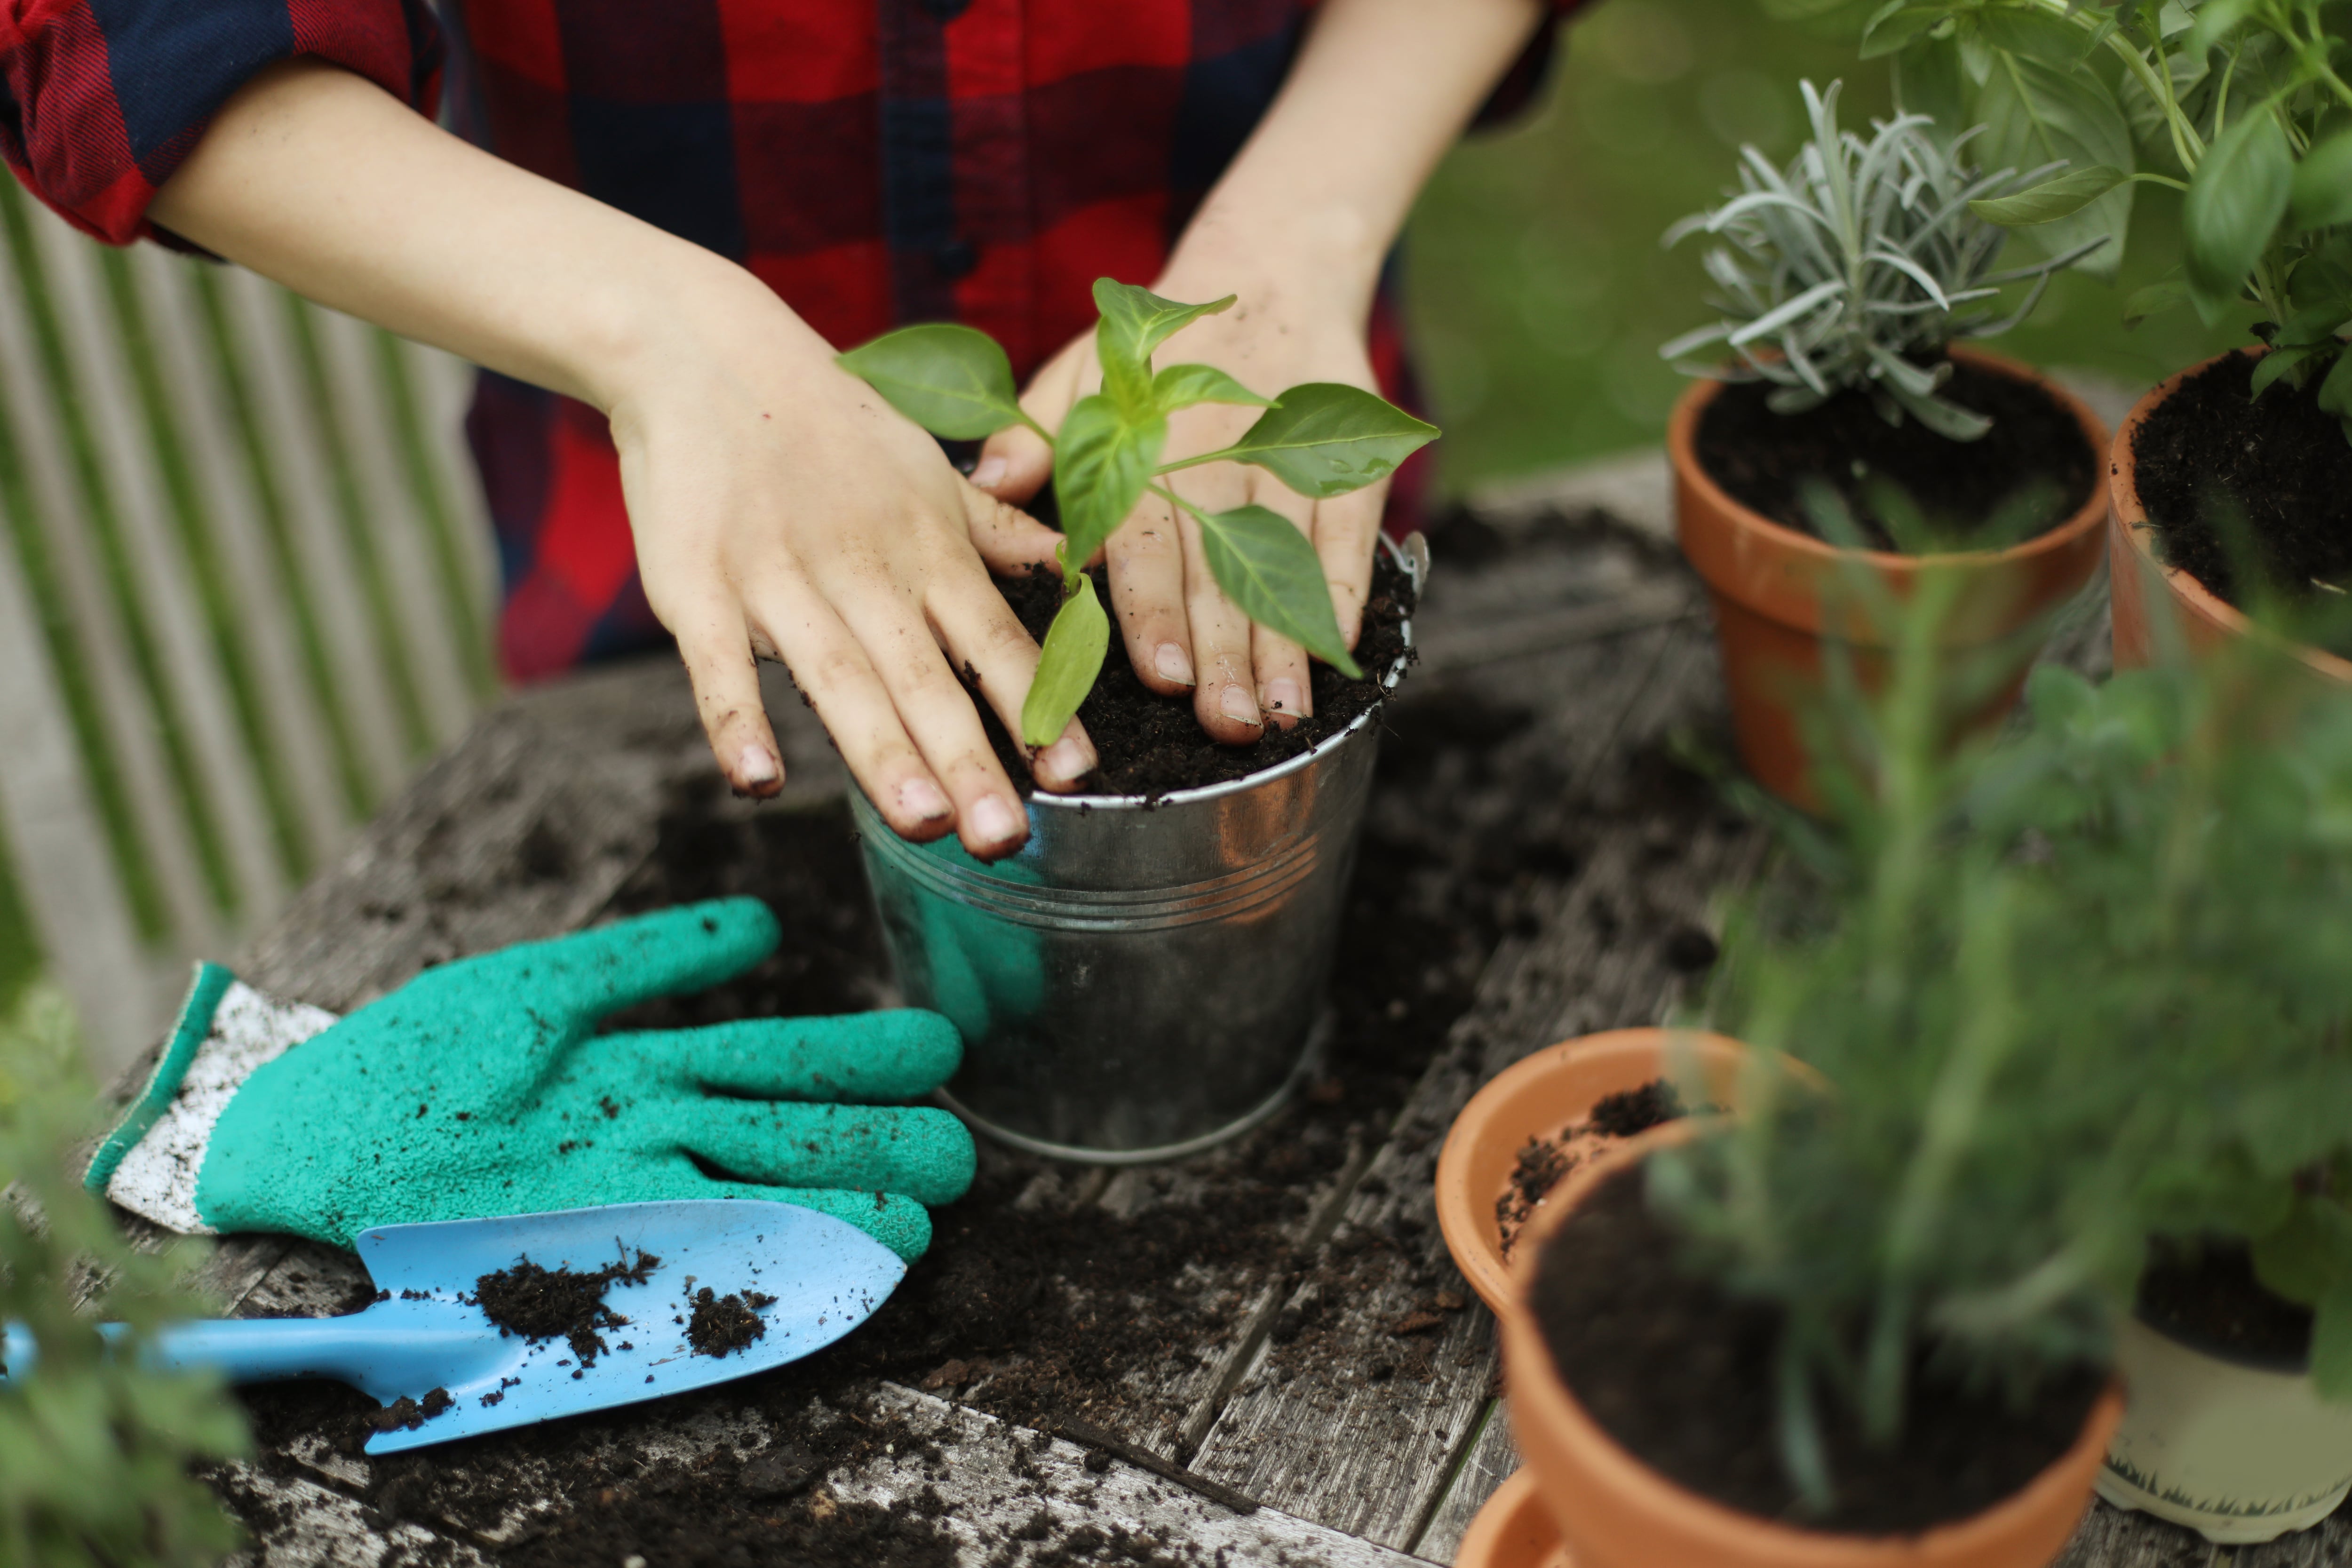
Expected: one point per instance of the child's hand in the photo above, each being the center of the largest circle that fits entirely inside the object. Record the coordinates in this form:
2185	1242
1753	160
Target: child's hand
780	507
1181	632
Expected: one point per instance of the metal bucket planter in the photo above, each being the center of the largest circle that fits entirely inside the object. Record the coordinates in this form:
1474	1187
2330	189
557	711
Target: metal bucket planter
1141	981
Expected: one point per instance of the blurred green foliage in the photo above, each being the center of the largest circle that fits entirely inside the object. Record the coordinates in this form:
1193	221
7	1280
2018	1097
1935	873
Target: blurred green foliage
1536	285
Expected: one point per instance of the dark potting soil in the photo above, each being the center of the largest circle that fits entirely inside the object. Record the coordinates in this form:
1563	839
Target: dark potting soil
2207	1296
1767	460
1632	1111
1682	1376
2212	456
545	1303
720	1325
412	1413
1151	746
1545	1163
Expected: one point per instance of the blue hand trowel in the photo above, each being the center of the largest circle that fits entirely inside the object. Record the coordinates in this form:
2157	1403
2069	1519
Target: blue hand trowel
824	1275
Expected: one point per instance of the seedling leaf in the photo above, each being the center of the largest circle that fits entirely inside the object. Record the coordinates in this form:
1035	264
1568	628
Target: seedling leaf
1134	322
1101	463
953	381
1268	568
1067	665
1325	440
1182	385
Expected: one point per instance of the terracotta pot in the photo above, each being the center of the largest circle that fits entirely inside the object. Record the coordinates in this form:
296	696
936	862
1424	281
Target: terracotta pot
1513	1531
1768	584
1536	1098
2137	581
1614	1511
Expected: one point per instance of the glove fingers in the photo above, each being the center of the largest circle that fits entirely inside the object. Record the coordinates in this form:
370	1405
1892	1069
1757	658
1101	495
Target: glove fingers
592	972
896	1055
924	1153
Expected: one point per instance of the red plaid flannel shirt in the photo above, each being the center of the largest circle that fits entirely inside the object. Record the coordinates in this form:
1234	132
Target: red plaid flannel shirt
874	162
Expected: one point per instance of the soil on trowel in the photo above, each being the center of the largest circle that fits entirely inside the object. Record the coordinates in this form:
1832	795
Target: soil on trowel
549	1303
1150	745
1682	1376
410	1413
1770	461
2206	1294
1545	1163
720	1325
2213	458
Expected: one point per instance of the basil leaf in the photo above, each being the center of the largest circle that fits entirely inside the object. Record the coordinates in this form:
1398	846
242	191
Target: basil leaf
2055	197
1325	440
1268	567
2035	34
2274	364
2331	1343
1182	385
2322	194
2235	200
1134	322
1067	663
2336	392
2155	299
2039	114
1895	24
952	381
1102	460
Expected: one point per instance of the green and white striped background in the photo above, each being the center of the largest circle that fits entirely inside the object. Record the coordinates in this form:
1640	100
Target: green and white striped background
246	590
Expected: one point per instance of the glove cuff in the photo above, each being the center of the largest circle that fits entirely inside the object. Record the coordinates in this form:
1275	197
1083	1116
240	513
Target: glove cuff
227	1029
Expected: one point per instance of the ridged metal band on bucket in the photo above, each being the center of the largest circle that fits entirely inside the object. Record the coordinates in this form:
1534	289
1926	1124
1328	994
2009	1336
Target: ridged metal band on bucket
1231	897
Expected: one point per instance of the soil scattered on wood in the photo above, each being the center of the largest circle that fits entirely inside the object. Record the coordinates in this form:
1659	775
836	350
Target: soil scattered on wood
2207	1296
1682	1376
721	1325
1151	746
1768	462
1543	1163
2213	458
545	1303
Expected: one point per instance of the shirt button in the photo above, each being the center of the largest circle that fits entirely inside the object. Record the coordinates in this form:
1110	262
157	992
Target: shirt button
956	259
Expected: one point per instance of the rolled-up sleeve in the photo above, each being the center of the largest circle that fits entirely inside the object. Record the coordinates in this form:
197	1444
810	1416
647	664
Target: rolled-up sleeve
99	100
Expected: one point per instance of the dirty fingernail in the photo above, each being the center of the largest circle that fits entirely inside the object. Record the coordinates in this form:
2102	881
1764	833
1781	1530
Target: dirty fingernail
993	821
923	800
757	766
991	469
1283	701
1173	664
1066	761
1238	705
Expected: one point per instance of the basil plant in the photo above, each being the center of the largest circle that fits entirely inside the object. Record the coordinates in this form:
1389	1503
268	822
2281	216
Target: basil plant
1322	439
2245	106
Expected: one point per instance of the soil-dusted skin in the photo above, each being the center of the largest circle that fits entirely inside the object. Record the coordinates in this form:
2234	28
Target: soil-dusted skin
2212	453
1764	460
2207	1297
1150	745
1681	1375
543	1303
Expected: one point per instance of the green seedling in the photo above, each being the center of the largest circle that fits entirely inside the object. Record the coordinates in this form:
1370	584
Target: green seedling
1322	439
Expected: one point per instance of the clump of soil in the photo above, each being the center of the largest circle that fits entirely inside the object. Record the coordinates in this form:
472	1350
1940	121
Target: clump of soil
409	1414
2213	458
1682	1376
544	1303
1767	461
1543	1163
721	1325
2206	1294
1150	745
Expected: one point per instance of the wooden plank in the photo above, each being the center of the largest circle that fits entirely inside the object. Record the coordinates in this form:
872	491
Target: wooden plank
2110	1538
1492	1458
295	727
2327	1544
196	687
298	1523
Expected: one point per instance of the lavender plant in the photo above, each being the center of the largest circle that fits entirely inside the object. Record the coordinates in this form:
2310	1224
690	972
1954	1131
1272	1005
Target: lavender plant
1322	439
1856	265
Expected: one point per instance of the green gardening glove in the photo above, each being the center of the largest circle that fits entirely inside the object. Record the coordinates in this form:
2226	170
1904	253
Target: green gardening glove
480	1087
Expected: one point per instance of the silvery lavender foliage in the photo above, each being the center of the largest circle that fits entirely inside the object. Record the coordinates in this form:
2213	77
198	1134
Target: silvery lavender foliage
1860	256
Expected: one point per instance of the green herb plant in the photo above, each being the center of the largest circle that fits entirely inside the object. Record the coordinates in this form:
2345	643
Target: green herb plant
2244	105
2078	990
95	1450
1852	269
1322	439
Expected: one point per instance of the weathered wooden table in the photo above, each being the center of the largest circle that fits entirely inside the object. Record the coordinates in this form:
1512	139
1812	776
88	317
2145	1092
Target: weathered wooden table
1323	1390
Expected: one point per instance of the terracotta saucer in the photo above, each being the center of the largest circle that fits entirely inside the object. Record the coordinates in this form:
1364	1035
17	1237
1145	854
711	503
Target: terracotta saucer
1513	1531
1543	1097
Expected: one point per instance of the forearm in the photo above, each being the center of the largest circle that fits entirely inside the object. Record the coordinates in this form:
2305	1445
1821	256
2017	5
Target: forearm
1381	89
315	177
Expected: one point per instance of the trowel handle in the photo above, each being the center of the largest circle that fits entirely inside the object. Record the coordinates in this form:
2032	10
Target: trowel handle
263	1350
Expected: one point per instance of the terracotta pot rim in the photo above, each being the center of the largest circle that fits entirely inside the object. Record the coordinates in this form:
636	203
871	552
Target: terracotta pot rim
1682	433
1547	1400
2130	520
